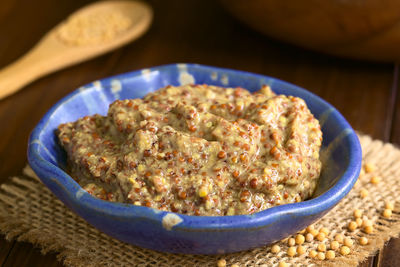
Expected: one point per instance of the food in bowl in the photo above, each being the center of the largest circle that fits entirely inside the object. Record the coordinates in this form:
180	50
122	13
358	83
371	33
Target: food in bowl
198	150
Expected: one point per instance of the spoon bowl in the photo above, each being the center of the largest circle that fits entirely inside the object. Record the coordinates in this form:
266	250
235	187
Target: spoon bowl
53	53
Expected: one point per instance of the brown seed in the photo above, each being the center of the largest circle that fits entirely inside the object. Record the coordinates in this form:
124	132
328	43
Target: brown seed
221	154
253	183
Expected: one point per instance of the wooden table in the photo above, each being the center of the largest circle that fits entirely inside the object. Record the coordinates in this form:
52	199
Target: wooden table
184	31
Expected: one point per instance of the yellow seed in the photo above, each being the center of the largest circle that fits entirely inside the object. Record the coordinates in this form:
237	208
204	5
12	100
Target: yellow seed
310	228
348	242
321	236
364	192
275	249
330	255
335	245
369	167
301	250
203	192
235	265
352	226
359	222
299	239
363	240
389	205
312	253
309	237
221	263
302	231
387	213
357	213
362	173
321	247
321	256
339	238
291	251
345	250
366	223
283	264
375	180
291	242
314	232
324	230
368	229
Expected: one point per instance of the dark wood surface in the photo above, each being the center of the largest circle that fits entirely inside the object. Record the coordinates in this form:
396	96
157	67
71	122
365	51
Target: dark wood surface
184	31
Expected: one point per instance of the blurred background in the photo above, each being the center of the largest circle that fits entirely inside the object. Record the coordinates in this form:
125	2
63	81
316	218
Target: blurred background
344	51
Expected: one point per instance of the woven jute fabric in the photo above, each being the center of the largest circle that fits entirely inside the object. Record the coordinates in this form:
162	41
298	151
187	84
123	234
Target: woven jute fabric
30	212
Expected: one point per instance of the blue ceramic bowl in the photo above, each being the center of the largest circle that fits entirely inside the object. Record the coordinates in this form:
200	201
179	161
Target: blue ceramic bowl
171	232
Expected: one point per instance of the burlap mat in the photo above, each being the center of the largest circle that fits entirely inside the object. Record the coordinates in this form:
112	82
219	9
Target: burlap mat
29	212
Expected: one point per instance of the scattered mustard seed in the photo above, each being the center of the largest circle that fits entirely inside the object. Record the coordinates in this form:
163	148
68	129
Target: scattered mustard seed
291	242
314	232
301	250
352	226
389	205
368	229
299	239
357	213
330	255
366	223
275	249
339	238
369	167
334	245
221	263
235	265
359	222
312	253
283	264
321	236
363	240
345	250
375	180
310	228
302	231
348	242
387	213
309	237
324	230
321	256
321	247
364	192
291	252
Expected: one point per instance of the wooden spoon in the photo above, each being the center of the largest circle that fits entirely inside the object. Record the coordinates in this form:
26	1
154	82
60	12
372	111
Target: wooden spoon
78	38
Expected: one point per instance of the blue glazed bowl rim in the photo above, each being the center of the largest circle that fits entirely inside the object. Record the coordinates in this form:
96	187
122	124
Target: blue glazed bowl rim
310	207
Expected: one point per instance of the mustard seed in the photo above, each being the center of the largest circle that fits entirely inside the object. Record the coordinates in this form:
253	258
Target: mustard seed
310	228
375	180
309	237
291	252
324	230
221	263
314	232
302	231
369	167
235	265
389	205
283	264
357	213
334	245
312	253
364	193
321	256
345	250
348	242
321	247
359	222
387	213
291	242
275	249
366	223
352	226
363	240
368	229
301	250
339	238
299	239
321	236
330	255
